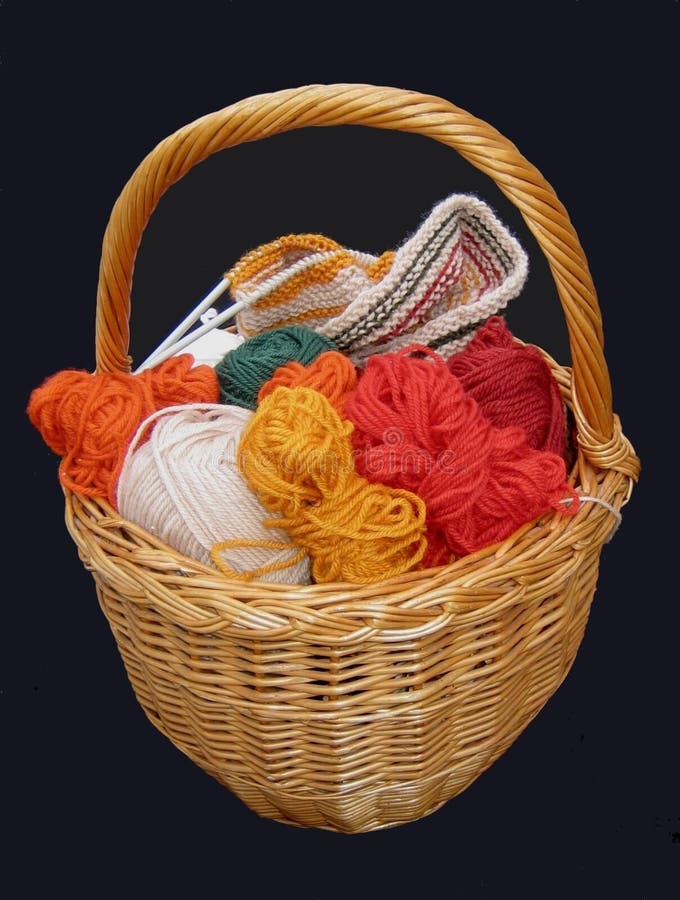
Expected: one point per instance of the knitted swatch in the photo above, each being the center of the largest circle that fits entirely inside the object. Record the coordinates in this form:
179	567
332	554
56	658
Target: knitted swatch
459	268
244	370
89	420
183	485
303	279
296	455
332	374
513	385
417	429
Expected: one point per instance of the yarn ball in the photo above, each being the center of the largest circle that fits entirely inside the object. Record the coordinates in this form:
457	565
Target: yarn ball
243	371
416	428
89	419
513	385
183	485
209	349
332	374
296	455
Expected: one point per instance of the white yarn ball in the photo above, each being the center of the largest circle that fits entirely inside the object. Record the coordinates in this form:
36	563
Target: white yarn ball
210	348
183	485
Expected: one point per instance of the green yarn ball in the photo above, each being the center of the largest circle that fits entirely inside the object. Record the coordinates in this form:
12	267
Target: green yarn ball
244	370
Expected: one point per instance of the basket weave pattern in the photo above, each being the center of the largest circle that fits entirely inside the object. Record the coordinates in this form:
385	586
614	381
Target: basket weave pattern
357	707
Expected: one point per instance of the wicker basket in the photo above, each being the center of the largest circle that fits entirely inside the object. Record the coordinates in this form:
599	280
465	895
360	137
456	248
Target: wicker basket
347	707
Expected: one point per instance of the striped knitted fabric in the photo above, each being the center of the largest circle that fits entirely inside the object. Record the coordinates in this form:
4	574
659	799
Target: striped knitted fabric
458	269
301	279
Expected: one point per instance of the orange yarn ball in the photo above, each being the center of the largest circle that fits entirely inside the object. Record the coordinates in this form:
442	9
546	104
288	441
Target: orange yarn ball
331	374
89	420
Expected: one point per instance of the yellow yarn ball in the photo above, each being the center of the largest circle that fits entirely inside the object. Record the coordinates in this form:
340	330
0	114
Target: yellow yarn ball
296	455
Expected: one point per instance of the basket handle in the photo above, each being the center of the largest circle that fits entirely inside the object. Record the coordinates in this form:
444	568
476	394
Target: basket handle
261	116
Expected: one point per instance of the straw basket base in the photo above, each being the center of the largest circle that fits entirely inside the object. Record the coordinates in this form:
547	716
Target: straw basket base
470	726
351	807
357	811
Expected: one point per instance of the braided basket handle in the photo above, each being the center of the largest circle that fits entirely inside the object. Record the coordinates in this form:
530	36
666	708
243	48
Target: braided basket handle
380	107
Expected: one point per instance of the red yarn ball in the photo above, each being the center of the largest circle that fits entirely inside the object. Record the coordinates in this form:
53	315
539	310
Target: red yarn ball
89	420
513	385
417	428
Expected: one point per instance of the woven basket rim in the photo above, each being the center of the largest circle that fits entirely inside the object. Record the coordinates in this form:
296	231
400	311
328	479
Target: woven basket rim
266	607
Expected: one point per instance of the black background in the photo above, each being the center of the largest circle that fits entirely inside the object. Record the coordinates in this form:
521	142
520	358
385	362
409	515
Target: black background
97	802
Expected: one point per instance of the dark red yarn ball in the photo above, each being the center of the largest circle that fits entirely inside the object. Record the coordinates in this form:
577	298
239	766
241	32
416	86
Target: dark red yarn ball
513	385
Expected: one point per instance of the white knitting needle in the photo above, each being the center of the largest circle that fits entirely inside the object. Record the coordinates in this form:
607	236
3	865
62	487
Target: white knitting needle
168	349
187	322
160	356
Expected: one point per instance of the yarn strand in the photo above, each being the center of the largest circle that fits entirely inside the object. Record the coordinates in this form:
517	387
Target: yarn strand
251	574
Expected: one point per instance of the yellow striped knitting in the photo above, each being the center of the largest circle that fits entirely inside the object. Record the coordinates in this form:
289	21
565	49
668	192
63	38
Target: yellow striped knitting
296	455
275	257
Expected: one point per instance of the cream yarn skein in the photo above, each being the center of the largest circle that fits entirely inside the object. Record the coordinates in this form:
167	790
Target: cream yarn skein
210	348
183	485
